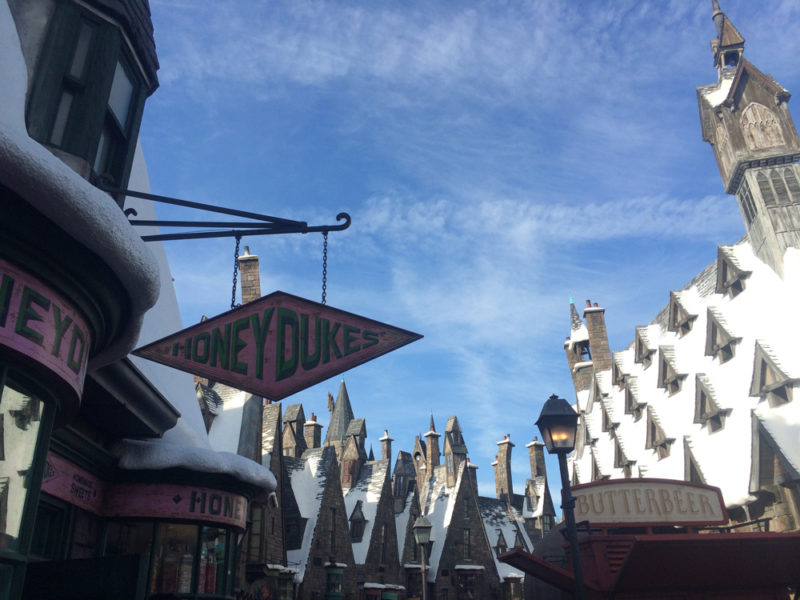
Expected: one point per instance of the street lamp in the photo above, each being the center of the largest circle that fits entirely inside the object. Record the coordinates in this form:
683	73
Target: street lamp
422	535
558	423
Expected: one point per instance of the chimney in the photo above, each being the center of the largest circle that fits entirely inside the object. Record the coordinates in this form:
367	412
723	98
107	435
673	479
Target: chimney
312	432
502	472
386	445
432	443
598	336
251	280
536	454
472	472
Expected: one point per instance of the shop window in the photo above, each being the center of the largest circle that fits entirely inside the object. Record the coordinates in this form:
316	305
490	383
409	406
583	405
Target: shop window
189	559
25	420
87	535
87	98
48	535
129	537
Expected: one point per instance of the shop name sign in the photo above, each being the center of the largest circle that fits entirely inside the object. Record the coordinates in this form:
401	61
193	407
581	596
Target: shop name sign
40	324
648	502
277	345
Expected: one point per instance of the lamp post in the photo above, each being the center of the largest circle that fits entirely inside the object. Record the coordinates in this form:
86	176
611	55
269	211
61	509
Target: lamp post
422	535
558	423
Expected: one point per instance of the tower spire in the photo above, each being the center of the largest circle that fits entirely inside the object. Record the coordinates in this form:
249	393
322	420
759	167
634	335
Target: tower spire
729	43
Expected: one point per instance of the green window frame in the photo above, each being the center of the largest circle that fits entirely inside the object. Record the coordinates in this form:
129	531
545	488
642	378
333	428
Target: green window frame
86	99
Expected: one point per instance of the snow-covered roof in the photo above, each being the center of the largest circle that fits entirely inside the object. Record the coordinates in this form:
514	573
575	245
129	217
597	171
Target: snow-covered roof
761	315
500	519
367	490
308	476
85	213
437	502
401	522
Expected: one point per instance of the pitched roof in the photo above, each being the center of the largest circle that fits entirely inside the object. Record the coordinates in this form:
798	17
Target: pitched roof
499	520
308	476
340	417
367	490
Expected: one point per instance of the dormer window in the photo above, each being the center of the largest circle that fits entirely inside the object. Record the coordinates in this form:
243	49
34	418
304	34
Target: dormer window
632	404
730	277
706	410
643	353
89	92
769	381
501	543
620	460
618	377
656	439
668	377
607	425
719	342
680	321
357	523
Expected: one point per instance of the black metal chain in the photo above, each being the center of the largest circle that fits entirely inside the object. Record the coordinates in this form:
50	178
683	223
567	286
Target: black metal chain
325	268
235	271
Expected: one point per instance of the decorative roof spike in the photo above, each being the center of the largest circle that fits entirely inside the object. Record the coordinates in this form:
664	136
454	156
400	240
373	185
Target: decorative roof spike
574	317
433	427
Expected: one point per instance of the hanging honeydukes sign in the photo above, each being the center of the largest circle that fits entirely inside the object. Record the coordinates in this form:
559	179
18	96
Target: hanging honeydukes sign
277	345
648	502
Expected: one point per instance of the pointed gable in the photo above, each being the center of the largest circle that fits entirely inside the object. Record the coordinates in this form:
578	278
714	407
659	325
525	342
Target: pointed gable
707	410
680	319
341	416
770	380
720	341
657	439
669	376
644	345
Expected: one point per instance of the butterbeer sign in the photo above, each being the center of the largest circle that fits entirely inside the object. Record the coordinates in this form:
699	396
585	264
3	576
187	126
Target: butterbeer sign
277	345
648	502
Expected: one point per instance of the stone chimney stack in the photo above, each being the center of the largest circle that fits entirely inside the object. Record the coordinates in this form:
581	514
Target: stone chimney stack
386	445
536	454
251	280
502	472
472	471
598	336
312	432
432	443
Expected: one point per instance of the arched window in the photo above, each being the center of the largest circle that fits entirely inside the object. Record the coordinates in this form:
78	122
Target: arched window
760	127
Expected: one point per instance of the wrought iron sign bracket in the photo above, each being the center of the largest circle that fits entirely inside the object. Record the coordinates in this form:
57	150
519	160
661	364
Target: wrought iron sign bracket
260	224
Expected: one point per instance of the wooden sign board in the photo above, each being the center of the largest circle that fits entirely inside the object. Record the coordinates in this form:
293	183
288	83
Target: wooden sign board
648	502
276	345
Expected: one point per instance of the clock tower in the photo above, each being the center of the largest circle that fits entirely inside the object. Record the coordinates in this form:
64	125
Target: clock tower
745	118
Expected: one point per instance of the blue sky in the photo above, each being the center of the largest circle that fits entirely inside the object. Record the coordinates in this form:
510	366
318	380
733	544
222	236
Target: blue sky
497	158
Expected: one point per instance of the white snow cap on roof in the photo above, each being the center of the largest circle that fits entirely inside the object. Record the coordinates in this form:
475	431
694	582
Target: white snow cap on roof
80	209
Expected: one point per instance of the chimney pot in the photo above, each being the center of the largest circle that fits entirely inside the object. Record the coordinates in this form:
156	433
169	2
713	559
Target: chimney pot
588	304
595	305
